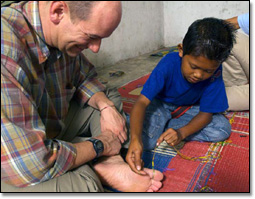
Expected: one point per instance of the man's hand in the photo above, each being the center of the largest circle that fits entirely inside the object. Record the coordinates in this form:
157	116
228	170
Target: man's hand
111	143
112	121
171	136
85	149
133	157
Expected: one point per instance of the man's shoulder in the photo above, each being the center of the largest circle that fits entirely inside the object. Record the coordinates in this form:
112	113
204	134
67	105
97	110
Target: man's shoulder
13	21
14	30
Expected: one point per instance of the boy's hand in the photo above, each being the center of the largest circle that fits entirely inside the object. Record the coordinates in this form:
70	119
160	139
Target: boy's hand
133	157
171	136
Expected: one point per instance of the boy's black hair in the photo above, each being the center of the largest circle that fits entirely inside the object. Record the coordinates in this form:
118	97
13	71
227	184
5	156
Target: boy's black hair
209	37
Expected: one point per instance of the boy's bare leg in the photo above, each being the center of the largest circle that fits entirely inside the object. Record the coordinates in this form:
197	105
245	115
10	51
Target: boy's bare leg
116	173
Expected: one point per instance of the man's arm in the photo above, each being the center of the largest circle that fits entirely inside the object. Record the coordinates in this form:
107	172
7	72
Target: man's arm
99	101
234	21
111	147
241	21
111	120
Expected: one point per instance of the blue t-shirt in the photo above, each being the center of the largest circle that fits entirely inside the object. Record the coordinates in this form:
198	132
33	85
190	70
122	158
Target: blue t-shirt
167	83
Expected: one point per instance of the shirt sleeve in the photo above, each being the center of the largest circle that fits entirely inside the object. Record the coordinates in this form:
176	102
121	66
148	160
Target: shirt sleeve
87	83
27	156
153	85
244	22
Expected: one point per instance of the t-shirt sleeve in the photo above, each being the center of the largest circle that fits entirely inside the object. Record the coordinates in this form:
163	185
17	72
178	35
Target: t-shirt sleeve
214	98
156	81
243	21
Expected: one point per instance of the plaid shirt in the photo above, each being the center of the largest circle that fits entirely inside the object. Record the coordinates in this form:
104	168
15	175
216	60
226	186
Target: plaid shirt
37	84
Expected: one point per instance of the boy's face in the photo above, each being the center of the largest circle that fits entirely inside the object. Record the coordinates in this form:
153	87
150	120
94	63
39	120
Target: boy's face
197	69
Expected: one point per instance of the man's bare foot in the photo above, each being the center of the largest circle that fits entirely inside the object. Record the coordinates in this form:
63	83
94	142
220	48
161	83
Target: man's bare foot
116	173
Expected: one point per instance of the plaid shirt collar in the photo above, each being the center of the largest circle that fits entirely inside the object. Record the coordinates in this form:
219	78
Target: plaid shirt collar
30	11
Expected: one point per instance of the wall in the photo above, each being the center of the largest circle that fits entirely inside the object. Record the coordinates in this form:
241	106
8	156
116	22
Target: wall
139	32
150	25
179	15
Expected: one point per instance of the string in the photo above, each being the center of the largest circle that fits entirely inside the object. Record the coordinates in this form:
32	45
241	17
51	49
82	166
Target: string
206	188
152	163
232	118
209	156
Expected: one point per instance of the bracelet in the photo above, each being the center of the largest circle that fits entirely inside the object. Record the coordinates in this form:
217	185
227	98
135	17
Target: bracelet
106	107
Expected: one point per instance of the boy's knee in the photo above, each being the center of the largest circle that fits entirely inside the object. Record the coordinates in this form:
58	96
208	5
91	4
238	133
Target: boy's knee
220	133
223	134
222	128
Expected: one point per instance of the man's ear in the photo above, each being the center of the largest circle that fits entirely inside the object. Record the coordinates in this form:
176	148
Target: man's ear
57	11
180	50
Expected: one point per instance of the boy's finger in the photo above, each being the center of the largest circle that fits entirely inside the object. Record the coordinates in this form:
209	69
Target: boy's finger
161	138
138	161
169	138
131	163
138	164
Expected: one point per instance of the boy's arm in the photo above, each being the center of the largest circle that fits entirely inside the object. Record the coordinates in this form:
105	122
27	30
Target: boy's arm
174	137
135	149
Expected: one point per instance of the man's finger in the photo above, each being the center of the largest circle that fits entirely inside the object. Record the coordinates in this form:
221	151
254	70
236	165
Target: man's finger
124	135
121	138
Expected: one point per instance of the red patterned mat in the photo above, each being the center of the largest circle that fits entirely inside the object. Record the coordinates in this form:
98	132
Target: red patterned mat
127	98
228	169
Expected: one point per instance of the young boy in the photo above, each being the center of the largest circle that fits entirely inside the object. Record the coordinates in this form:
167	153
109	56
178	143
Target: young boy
189	85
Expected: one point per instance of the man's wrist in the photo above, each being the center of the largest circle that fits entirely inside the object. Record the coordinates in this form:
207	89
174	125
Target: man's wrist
103	105
108	106
98	146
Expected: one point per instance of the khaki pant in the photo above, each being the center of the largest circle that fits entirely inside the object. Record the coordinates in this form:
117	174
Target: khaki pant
84	121
236	74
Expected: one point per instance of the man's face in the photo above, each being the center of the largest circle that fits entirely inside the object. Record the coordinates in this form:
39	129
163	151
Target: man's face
75	37
196	69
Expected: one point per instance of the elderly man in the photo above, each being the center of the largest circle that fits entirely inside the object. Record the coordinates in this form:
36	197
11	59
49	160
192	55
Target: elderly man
49	96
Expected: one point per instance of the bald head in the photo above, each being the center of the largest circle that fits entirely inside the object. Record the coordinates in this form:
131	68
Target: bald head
81	10
108	13
99	20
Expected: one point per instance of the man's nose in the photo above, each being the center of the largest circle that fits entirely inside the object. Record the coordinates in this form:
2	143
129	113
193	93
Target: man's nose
94	45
